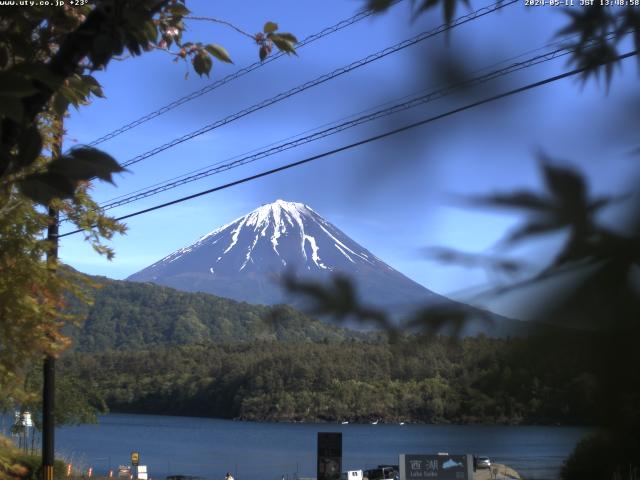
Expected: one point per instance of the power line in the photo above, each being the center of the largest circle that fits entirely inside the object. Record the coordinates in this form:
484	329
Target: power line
389	133
237	74
336	128
414	102
323	78
108	202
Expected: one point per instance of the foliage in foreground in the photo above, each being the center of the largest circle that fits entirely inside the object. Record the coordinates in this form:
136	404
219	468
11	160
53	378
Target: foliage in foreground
47	60
15	464
603	455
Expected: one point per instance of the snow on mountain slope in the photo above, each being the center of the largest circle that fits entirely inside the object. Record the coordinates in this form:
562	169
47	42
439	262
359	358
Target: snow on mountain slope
245	259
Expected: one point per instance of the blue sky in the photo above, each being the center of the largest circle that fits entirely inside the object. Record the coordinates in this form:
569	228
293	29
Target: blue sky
395	196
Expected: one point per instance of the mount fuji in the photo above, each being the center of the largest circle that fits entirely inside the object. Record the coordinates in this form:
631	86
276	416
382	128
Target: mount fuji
246	259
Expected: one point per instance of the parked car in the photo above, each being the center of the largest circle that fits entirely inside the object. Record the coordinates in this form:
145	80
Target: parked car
383	472
352	475
483	462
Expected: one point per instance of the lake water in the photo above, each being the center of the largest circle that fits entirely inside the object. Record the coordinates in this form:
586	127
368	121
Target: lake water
267	451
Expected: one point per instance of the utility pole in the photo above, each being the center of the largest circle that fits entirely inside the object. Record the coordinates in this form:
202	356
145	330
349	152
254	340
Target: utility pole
49	370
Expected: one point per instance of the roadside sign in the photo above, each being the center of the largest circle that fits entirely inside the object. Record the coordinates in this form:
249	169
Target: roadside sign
135	458
436	467
124	471
142	472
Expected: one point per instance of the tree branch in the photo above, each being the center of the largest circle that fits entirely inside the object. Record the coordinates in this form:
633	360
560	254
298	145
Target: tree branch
222	22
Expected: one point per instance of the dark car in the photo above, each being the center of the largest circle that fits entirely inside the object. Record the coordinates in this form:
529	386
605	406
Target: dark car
483	462
383	472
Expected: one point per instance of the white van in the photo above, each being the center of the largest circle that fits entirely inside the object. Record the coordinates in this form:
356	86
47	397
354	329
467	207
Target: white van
351	475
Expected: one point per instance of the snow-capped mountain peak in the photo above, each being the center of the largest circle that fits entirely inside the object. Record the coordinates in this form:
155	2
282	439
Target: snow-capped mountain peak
273	225
243	258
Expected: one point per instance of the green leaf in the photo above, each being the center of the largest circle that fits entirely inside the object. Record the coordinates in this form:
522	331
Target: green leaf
289	37
45	187
60	103
219	52
13	84
178	10
85	163
264	52
73	96
93	86
282	44
202	63
270	27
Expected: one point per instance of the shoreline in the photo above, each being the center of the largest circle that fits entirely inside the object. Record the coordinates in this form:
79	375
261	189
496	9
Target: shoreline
381	421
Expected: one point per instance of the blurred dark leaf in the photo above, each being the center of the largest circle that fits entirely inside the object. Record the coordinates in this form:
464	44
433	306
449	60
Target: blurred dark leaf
588	22
379	5
564	205
518	200
594	270
85	163
445	319
64	174
449	255
45	187
532	228
339	300
564	183
631	23
596	49
448	6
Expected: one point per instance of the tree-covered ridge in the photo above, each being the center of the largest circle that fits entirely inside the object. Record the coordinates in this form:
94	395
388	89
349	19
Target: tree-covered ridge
476	380
129	315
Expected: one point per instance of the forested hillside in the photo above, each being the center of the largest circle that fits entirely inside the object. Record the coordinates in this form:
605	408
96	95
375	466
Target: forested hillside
475	380
130	315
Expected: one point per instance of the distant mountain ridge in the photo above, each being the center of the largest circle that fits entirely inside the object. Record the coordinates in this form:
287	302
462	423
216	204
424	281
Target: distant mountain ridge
245	259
